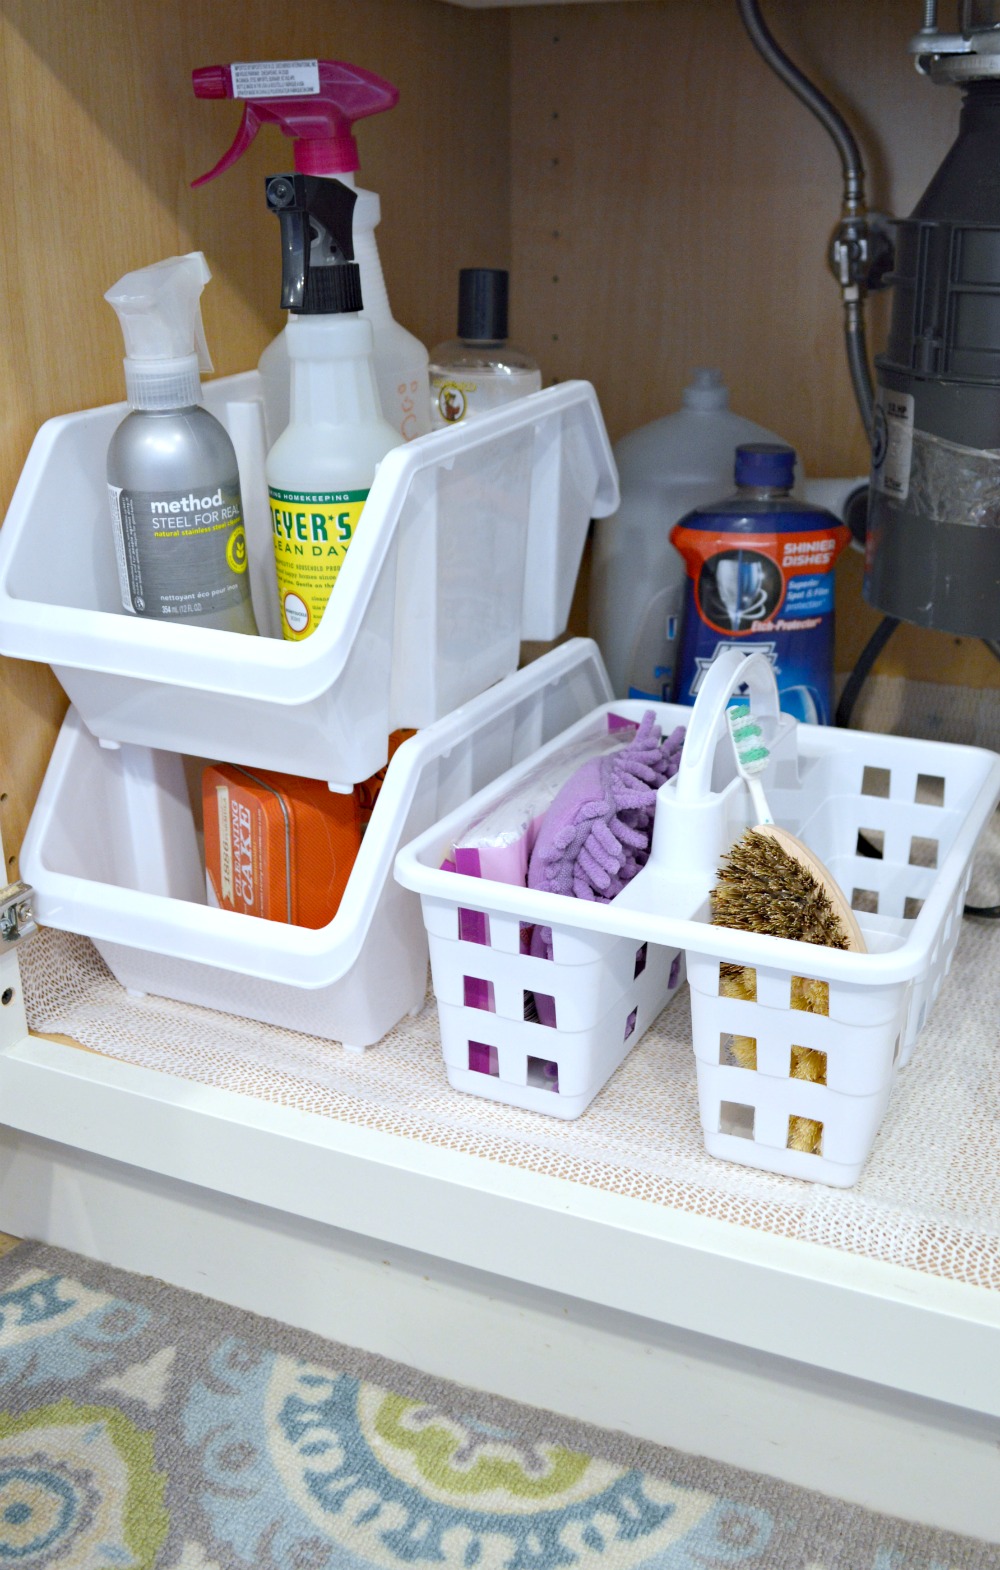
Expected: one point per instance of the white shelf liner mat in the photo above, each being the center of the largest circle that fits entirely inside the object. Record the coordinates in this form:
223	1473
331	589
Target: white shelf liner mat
929	1198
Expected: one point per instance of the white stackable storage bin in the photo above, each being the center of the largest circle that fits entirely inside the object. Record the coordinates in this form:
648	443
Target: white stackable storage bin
470	542
111	852
922	804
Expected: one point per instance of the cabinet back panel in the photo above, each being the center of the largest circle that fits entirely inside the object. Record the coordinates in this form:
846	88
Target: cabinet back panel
672	203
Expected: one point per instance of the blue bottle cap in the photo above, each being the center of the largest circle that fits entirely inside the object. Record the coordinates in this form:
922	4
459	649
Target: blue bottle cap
765	464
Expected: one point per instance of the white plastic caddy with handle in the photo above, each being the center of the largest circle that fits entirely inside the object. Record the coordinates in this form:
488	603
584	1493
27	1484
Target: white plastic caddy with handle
923	805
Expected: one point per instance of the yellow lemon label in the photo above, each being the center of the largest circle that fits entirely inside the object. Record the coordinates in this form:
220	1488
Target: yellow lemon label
236	550
312	532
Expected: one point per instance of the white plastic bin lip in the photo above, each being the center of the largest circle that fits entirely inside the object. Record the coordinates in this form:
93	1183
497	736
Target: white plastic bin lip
418	867
273	669
268	950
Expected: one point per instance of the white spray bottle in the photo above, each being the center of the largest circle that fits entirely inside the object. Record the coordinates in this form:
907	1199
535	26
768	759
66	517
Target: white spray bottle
316	102
173	480
320	469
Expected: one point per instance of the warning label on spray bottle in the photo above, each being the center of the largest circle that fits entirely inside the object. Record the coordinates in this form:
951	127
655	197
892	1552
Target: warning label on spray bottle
275	78
180	555
312	533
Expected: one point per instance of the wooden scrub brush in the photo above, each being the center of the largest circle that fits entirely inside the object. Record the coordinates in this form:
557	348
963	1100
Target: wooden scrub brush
770	882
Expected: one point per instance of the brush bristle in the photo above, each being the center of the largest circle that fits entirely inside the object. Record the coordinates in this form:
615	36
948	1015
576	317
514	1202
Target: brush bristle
748	739
761	888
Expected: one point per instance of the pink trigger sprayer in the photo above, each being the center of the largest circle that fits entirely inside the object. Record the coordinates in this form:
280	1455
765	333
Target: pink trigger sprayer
316	103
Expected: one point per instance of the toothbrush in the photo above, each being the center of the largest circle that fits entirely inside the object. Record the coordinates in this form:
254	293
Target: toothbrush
752	756
790	894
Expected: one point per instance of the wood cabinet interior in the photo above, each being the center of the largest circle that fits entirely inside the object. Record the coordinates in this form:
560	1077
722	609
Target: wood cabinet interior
661	200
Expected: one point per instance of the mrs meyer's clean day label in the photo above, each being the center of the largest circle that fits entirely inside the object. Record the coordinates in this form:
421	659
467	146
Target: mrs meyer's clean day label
312	531
180	554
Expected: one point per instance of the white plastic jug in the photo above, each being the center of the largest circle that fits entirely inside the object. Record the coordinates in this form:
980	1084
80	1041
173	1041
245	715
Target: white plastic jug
678	462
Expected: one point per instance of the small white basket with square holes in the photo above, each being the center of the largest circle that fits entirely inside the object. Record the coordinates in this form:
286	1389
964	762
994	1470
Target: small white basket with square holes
597	995
923	805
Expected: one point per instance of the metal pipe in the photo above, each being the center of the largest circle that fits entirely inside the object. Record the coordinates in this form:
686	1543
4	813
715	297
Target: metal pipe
853	224
815	101
857	362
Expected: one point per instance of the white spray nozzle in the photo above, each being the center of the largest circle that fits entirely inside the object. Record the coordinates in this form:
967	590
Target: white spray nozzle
159	308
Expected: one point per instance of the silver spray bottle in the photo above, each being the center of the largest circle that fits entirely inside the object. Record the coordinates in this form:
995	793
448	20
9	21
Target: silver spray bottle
173	481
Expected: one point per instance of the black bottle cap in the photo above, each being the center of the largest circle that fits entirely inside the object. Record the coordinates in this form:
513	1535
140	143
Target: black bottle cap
316	215
330	291
482	304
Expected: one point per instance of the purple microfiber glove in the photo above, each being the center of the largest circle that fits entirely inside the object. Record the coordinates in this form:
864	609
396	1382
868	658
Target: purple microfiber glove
596	834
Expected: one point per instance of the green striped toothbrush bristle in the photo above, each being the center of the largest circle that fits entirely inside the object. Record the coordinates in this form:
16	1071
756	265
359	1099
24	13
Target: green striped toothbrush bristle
747	738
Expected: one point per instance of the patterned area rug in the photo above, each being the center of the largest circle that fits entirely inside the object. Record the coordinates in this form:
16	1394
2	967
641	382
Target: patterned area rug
142	1426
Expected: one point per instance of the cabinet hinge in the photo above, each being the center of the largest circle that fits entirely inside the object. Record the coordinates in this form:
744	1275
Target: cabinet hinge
17	921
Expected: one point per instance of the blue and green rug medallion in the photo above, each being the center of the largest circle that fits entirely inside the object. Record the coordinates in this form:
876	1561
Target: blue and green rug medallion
142	1428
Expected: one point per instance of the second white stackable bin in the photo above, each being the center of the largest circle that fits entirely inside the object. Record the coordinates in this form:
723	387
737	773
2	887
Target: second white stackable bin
112	853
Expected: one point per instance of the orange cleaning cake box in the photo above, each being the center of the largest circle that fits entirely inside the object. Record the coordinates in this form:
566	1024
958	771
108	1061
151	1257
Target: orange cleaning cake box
276	845
367	791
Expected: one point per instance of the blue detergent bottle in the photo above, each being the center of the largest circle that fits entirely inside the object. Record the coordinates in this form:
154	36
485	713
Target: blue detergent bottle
760	576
